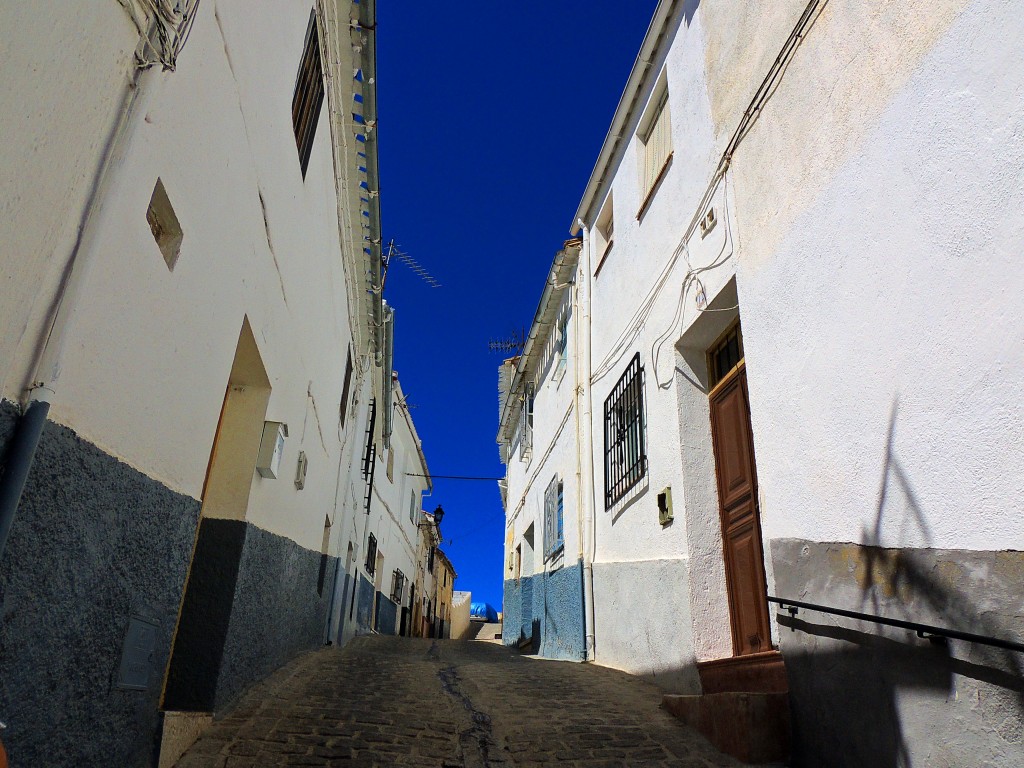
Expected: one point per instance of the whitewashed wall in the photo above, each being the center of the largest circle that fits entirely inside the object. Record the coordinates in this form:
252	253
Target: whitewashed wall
254	232
887	291
57	117
554	454
644	302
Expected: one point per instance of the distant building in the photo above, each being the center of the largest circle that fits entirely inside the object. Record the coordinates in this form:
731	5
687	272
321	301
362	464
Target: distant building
444	583
799	345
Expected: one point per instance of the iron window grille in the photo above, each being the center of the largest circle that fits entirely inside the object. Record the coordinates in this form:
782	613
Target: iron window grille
625	449
368	449
397	586
371	555
554	537
430	561
309	94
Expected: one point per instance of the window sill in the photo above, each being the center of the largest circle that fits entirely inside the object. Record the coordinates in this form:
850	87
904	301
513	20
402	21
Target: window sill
603	256
654	187
555	553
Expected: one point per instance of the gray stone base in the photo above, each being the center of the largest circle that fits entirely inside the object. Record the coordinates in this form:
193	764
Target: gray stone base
94	544
865	694
642	621
277	611
98	546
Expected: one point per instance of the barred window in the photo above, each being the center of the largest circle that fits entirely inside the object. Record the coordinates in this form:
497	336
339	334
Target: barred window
309	95
371	555
625	450
397	586
554	537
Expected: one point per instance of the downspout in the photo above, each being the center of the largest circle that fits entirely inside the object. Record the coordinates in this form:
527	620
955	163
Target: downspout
585	440
43	387
389	368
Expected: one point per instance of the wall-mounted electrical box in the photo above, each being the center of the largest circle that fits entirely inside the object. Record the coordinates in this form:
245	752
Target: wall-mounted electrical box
708	222
665	506
300	472
271	448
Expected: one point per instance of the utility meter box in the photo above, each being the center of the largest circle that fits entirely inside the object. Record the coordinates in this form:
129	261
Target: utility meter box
271	448
665	506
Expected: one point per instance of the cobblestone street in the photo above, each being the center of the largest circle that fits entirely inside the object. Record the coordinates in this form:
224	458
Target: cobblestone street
397	701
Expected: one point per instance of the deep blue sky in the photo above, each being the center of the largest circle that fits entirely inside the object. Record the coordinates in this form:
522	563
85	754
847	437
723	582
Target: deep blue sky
491	118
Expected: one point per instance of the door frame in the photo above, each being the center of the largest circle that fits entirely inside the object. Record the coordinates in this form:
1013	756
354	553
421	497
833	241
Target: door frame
738	372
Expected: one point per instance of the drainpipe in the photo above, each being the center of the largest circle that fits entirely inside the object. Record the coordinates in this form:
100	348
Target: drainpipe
43	388
585	439
389	372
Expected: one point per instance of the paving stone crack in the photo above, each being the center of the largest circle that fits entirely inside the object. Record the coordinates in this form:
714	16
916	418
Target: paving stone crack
475	742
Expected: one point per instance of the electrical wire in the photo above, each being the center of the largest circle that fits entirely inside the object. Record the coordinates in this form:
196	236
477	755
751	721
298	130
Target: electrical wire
765	91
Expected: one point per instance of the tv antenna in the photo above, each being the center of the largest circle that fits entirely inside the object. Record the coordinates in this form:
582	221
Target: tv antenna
393	252
514	343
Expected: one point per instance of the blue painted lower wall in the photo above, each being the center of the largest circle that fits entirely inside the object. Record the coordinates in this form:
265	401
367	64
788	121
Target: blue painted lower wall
549	608
387	615
364	606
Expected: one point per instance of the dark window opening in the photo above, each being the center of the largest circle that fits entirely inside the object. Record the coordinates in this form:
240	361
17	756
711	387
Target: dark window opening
371	555
625	451
309	94
725	355
397	586
345	387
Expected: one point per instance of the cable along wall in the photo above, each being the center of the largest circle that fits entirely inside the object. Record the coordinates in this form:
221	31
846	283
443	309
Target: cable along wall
164	27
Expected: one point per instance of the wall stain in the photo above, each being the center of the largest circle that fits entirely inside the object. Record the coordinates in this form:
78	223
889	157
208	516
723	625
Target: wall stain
273	254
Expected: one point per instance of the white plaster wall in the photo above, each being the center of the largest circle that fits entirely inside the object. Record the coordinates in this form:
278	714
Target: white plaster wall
149	354
64	68
884	338
639	305
461	602
554	454
397	534
645	300
646	631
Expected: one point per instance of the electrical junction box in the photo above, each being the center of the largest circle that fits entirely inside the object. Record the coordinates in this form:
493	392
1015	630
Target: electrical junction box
271	449
665	506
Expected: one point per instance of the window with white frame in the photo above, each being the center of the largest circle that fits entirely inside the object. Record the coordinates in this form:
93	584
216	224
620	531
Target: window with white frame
604	231
526	424
654	141
554	535
412	506
562	343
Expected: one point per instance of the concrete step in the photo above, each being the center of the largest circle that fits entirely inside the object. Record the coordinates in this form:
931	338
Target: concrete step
752	727
180	731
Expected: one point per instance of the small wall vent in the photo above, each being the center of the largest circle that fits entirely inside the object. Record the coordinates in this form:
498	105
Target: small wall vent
164	224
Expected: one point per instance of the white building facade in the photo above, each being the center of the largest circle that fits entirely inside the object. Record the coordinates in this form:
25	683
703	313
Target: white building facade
801	353
194	347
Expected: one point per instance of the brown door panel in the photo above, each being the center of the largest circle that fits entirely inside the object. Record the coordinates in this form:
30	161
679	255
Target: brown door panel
733	454
747	590
741	528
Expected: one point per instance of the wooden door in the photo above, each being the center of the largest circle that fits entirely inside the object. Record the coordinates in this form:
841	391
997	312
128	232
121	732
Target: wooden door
741	525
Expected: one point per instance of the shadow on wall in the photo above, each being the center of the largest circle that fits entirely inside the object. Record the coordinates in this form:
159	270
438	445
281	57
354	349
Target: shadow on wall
879	696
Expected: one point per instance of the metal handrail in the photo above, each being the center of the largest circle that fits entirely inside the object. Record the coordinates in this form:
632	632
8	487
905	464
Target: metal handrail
923	630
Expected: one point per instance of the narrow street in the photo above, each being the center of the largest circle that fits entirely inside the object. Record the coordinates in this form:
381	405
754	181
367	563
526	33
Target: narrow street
384	701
